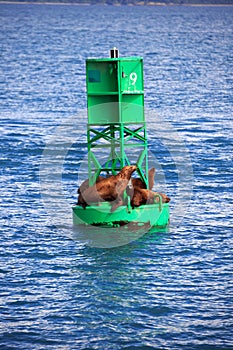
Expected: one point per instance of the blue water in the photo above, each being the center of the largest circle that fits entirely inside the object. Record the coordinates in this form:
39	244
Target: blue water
63	288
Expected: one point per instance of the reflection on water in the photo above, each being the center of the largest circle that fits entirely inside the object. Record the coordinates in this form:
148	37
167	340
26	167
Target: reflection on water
109	237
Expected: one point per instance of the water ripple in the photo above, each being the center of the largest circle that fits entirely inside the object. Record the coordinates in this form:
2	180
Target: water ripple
168	290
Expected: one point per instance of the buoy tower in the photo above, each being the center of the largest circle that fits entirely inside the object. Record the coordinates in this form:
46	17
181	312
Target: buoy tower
117	127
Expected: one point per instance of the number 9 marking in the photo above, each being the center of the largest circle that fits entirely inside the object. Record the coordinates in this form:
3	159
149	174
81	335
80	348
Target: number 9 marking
133	77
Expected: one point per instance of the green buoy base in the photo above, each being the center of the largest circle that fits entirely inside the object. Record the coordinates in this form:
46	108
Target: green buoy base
153	215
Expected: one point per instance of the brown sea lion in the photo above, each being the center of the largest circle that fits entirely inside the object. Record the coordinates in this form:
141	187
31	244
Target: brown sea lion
151	178
143	196
136	182
85	184
108	189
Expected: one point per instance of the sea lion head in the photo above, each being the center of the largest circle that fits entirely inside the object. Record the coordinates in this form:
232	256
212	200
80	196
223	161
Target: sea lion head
127	171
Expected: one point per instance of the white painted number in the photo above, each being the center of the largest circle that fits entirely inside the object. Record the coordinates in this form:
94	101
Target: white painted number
133	77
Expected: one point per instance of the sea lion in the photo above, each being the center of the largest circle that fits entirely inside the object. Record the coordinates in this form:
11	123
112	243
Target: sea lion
85	184
143	196
108	189
136	182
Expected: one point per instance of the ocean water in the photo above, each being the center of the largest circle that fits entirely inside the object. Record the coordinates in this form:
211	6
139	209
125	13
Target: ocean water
65	288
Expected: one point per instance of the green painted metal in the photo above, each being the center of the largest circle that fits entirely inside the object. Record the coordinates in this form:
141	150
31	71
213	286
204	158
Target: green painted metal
155	215
115	101
118	83
116	125
120	140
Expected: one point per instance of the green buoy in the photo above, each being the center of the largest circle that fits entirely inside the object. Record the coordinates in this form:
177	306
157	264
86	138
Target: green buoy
116	123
